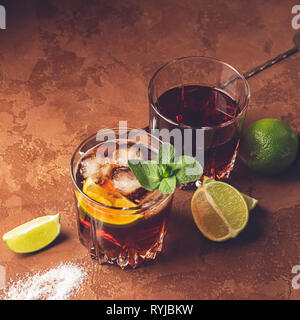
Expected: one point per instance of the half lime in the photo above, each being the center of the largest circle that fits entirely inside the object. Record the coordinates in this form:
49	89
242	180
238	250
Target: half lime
219	211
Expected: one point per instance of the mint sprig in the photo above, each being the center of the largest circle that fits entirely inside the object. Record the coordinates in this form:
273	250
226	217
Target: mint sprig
167	172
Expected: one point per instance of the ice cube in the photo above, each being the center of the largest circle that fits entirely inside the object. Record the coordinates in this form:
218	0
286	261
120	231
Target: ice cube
124	180
123	153
90	167
104	173
126	183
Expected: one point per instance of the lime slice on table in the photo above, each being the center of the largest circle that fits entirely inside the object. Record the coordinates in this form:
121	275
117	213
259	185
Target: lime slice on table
251	202
219	211
33	235
110	197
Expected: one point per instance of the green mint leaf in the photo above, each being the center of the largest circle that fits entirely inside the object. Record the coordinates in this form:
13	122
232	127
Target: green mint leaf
167	185
166	170
187	169
165	173
147	173
166	154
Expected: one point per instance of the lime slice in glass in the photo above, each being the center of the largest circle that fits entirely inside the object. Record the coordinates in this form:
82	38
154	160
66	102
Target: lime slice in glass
33	235
109	197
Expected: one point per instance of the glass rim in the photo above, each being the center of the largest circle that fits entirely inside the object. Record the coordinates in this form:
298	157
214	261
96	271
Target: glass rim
184	126
146	205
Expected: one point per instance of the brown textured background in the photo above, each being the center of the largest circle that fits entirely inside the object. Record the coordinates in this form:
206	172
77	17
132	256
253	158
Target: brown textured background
68	68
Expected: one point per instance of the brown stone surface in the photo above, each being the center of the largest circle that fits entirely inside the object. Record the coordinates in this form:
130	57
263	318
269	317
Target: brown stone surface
68	68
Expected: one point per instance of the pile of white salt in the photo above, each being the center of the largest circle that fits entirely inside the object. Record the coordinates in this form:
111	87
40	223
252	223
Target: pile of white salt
59	283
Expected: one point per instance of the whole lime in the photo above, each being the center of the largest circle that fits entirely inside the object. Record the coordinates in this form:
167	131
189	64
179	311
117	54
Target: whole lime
269	146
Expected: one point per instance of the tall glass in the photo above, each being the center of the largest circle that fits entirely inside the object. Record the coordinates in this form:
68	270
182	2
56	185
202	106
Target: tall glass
134	230
202	93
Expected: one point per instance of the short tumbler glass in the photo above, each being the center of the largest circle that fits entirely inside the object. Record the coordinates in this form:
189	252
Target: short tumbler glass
125	236
183	94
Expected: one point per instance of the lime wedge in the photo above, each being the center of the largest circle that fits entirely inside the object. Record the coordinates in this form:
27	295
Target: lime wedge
251	202
33	235
219	211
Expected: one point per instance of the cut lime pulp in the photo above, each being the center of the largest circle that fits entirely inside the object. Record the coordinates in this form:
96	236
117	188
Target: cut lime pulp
33	235
219	211
251	202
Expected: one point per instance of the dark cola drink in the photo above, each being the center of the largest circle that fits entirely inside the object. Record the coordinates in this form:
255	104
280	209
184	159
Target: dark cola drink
211	110
118	221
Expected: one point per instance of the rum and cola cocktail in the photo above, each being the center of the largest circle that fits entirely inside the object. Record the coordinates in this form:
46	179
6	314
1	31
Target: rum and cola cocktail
118	221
